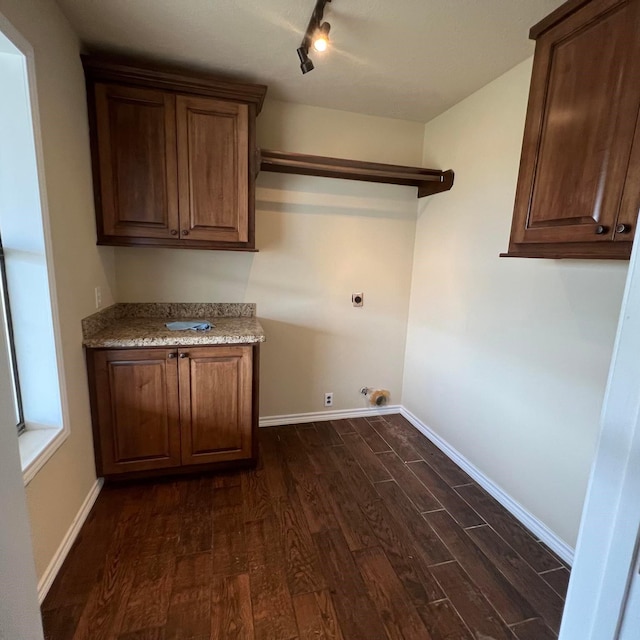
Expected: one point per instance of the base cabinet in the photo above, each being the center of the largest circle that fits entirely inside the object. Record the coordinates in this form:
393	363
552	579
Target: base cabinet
215	404
170	410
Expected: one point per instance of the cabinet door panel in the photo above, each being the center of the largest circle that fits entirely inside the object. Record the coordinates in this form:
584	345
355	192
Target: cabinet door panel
213	167
580	126
138	409
628	216
137	156
215	403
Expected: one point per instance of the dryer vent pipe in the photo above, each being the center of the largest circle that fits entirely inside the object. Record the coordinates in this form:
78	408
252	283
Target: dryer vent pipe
376	397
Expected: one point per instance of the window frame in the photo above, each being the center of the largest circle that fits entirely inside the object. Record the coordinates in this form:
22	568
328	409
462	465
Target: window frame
5	304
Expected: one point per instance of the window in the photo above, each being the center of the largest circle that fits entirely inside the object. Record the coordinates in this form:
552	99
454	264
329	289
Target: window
6	311
27	287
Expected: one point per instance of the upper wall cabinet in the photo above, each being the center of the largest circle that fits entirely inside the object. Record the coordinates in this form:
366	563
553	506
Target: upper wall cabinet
173	156
578	190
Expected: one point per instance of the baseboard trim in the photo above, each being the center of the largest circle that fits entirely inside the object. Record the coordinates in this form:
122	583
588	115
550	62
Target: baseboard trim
526	518
301	418
536	526
51	571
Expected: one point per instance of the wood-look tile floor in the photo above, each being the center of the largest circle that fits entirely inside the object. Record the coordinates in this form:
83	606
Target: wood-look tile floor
353	529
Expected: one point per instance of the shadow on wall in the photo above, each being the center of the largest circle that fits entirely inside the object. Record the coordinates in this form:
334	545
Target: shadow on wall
300	348
280	193
182	275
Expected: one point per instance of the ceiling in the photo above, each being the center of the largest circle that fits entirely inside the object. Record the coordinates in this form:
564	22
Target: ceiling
408	59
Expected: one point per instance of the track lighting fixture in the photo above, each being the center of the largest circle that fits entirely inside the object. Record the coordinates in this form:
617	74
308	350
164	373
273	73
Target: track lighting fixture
321	37
305	63
316	36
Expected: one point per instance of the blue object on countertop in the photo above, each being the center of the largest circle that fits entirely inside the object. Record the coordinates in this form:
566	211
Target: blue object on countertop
193	325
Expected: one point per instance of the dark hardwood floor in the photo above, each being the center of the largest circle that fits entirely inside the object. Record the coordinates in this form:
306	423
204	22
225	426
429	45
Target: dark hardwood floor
353	529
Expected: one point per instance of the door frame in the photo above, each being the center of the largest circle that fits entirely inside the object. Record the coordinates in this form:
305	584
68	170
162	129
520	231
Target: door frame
605	558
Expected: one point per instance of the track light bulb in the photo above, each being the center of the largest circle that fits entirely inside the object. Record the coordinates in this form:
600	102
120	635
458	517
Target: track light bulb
321	37
320	44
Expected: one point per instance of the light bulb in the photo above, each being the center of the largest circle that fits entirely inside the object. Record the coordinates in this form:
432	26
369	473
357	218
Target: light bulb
320	44
321	37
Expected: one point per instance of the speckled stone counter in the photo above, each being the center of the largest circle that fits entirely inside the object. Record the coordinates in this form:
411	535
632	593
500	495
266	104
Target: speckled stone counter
143	325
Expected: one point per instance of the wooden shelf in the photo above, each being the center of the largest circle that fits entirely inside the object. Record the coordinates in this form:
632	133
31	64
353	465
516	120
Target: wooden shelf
428	181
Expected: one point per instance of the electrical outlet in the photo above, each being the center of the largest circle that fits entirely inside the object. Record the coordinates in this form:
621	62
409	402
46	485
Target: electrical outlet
328	399
98	293
357	299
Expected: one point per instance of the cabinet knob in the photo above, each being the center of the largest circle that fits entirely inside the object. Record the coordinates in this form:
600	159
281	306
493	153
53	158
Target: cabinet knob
184	355
171	356
185	232
600	230
174	232
623	228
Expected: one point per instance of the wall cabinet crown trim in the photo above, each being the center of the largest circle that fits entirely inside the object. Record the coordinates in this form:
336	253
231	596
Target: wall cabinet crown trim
561	13
109	68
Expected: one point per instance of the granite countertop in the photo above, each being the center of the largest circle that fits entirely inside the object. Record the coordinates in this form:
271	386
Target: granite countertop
143	325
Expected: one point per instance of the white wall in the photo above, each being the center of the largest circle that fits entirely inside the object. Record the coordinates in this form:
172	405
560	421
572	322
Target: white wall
56	493
506	359
319	240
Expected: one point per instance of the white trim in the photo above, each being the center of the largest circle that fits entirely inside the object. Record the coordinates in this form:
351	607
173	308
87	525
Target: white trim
528	520
603	589
301	418
23	45
36	448
48	245
59	556
16	38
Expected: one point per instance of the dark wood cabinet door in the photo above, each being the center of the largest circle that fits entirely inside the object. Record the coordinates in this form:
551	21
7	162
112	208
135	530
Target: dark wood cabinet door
581	121
216	403
136	148
213	169
137	408
630	206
